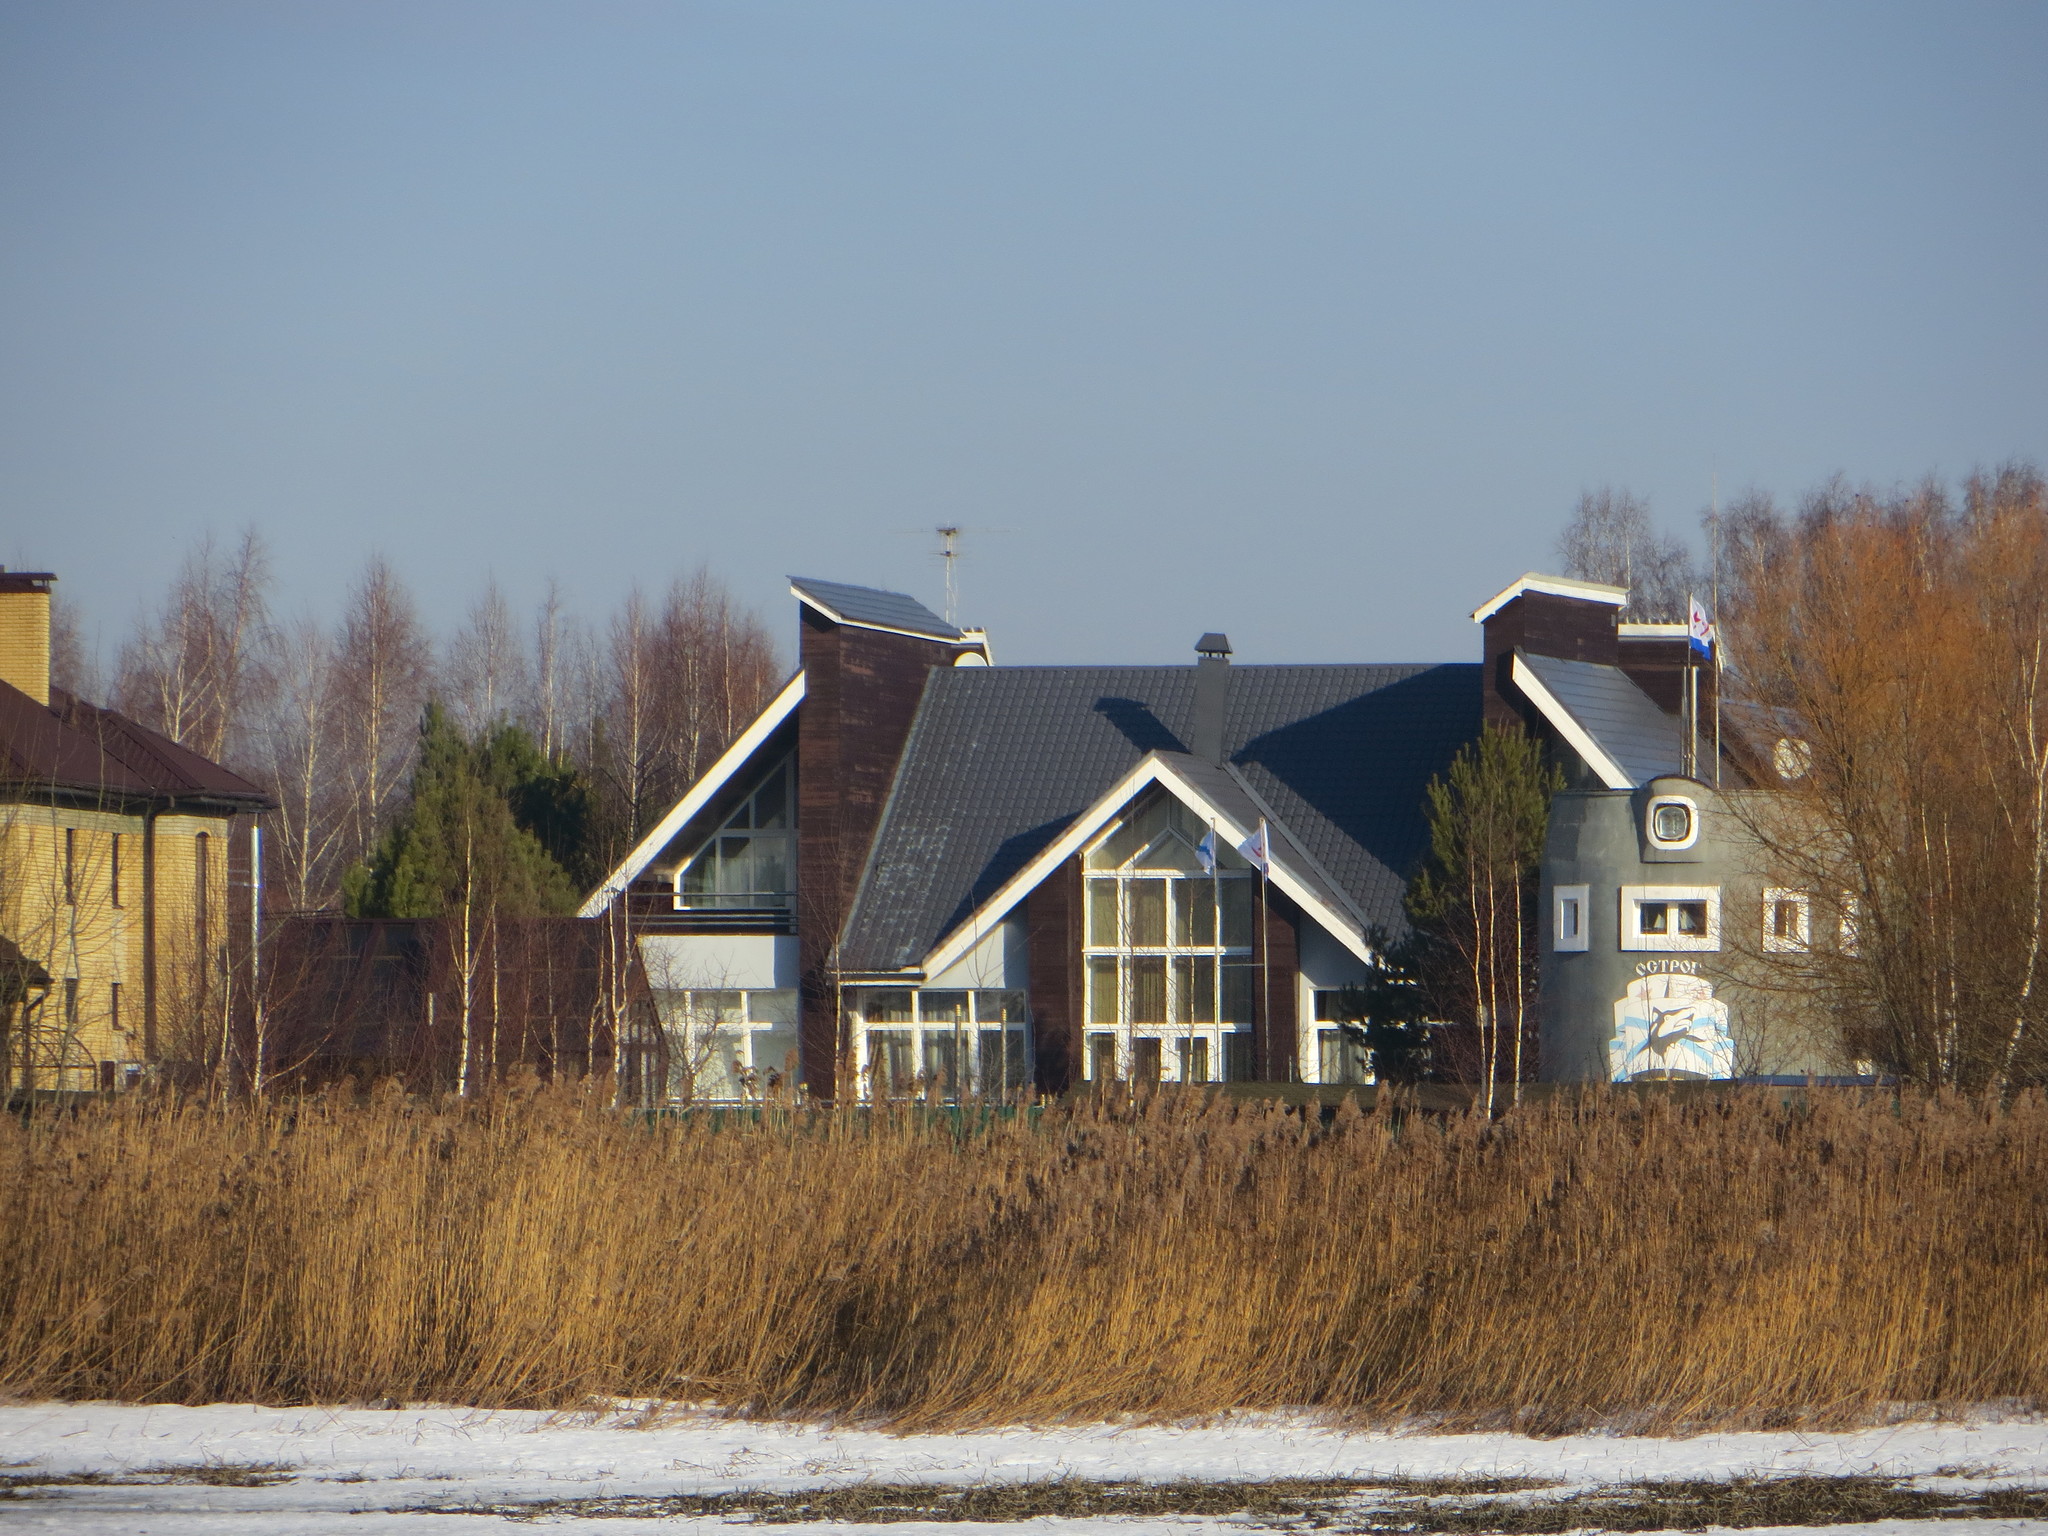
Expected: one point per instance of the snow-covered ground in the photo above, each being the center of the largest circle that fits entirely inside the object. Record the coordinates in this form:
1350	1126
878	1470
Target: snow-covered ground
410	1470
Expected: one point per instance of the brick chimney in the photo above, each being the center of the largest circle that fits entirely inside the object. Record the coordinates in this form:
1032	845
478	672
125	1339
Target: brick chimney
1212	695
25	631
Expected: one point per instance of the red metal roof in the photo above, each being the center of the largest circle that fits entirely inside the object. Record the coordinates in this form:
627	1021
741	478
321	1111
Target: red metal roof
80	748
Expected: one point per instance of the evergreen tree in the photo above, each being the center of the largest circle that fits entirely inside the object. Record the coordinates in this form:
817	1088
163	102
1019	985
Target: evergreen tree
1473	903
1387	1015
461	848
548	799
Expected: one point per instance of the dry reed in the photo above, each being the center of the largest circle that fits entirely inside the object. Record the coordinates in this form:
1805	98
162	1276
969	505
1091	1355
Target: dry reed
1655	1263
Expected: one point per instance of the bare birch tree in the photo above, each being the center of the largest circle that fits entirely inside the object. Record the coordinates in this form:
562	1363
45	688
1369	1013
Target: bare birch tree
74	661
383	676
194	669
1610	539
485	674
298	754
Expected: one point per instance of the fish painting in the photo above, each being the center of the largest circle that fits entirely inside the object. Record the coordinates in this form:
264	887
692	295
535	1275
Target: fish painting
1670	1026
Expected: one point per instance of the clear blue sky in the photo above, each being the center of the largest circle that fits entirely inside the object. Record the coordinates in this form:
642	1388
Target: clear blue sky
1306	322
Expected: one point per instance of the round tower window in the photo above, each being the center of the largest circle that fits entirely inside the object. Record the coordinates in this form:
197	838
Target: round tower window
1671	822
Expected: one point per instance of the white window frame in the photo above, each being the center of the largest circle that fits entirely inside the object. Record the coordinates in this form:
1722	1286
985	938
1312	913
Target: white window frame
1801	938
1126	1032
965	1033
1692	822
708	901
677	1009
1577	900
1635	897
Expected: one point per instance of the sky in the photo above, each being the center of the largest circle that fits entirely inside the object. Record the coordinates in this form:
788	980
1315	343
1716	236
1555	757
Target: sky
1309	323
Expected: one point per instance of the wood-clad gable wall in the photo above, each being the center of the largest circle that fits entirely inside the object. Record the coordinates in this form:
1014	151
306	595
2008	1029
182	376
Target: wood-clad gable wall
1543	624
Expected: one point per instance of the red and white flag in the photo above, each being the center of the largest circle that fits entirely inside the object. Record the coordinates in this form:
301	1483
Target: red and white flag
1257	849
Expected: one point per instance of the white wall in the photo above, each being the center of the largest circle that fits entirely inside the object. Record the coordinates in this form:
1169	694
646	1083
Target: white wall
719	960
1325	966
999	960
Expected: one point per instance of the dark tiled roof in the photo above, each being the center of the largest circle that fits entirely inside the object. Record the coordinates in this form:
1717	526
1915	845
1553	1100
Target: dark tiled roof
75	748
1609	707
1000	759
870	606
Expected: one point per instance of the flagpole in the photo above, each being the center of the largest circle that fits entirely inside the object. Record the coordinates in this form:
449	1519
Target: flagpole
1717	631
1215	949
1266	969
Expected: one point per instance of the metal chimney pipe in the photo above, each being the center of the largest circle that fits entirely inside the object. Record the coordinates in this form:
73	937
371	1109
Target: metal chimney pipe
1212	694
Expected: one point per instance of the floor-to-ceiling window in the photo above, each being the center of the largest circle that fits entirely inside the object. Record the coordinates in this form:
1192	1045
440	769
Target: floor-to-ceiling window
1170	972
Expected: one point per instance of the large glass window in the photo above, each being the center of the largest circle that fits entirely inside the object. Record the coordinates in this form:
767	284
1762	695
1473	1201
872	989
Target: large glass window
948	1041
750	861
1169	950
727	1043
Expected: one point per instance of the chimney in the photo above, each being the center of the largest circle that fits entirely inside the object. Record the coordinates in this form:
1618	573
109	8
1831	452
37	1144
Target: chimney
25	631
1212	694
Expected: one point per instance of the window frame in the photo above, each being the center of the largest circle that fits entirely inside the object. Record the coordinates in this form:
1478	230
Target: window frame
740	823
1003	1012
1178	952
1692	823
675	1007
1635	897
1801	940
1579	900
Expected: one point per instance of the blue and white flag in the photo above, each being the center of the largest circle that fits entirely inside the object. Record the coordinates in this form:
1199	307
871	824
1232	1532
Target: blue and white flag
1257	850
1698	629
1205	850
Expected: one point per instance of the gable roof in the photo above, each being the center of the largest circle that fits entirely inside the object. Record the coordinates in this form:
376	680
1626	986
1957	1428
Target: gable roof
1610	722
1002	761
871	608
1215	792
75	748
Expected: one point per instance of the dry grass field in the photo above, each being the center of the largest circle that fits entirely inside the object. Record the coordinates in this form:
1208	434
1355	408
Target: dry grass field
1654	1263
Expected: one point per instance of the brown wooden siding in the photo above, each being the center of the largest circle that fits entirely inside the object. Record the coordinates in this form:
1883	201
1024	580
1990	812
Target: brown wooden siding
1542	625
1275	1031
1052	919
861	690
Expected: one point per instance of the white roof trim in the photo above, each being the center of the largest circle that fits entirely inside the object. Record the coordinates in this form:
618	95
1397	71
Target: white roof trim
1154	769
1655	631
1308	860
836	617
1561	718
701	793
1555	586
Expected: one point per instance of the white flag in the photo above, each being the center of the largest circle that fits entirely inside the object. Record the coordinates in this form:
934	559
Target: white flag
1698	629
1257	849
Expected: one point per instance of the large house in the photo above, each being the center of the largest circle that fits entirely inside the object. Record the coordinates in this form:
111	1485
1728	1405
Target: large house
125	889
917	867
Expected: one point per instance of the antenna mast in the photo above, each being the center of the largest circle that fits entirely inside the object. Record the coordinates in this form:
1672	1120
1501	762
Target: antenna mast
949	551
1717	629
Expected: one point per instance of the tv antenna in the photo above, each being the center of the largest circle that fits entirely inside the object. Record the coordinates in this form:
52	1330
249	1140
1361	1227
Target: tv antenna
949	552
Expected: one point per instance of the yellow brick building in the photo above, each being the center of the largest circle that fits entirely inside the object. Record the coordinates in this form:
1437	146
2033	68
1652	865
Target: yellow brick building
125	884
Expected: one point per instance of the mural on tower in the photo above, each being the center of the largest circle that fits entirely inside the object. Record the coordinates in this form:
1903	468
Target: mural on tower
1670	1025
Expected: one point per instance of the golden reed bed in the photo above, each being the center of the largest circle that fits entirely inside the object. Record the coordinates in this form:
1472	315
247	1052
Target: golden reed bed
1654	1263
